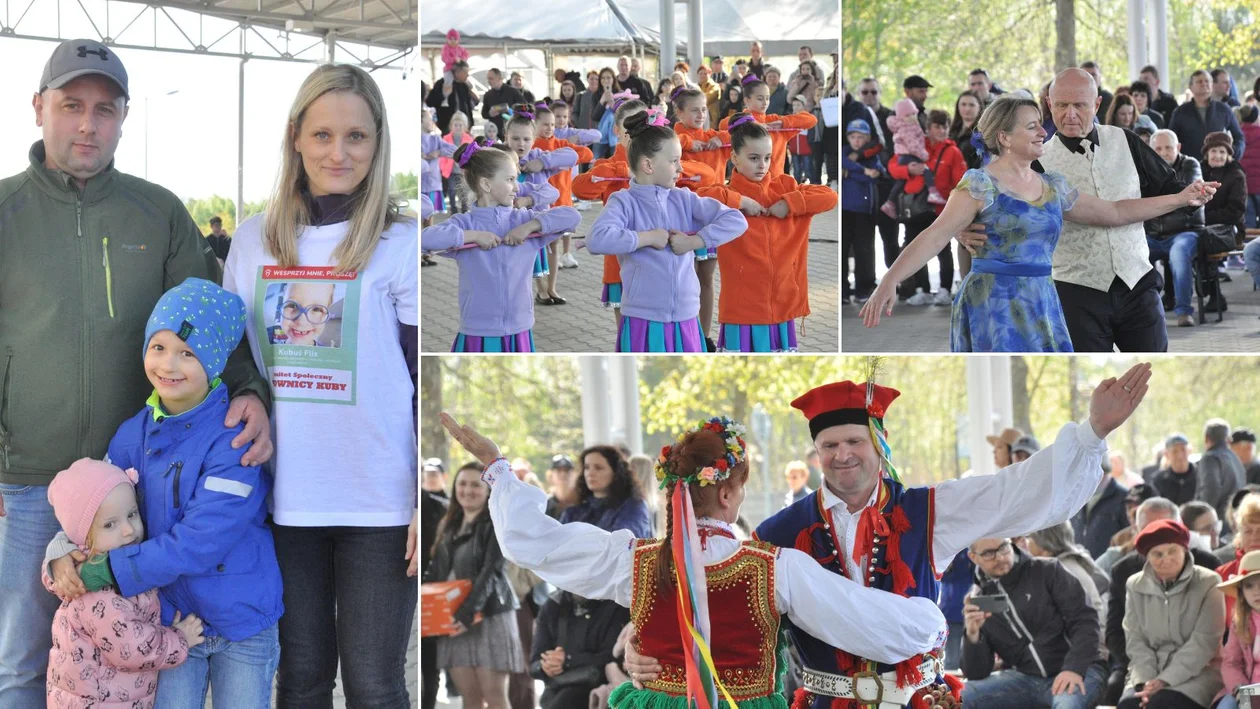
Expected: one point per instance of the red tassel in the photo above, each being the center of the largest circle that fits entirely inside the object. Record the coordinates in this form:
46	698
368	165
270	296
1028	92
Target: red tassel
955	686
845	661
837	703
903	580
802	699
804	540
909	672
900	523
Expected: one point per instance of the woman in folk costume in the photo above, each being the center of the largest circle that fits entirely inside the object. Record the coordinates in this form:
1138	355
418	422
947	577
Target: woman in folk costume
697	571
865	524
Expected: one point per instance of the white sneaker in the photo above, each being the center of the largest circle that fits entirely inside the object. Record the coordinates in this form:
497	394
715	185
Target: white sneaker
919	298
568	260
581	205
943	297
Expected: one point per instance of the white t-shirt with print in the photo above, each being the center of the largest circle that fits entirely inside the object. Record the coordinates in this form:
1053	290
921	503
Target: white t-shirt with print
329	346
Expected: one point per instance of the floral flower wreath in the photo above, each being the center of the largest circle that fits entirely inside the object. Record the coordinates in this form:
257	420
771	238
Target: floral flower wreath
732	434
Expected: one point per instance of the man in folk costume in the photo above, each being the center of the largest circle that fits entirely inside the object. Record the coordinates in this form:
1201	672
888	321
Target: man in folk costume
863	523
674	585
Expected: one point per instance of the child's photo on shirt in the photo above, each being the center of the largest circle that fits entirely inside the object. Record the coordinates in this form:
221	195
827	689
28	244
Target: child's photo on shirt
305	313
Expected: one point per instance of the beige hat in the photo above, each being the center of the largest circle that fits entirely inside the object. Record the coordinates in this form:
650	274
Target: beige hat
1008	436
1249	566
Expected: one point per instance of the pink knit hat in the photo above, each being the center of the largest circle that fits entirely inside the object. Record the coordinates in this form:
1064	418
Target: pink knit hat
78	491
452	34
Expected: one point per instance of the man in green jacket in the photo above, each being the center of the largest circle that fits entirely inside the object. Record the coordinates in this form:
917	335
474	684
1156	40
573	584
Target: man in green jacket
85	253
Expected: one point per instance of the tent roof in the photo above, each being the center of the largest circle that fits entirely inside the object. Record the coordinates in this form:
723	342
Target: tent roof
728	24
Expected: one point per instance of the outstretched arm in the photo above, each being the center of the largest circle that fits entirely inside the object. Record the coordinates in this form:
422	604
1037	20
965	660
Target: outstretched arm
961	209
1099	212
576	557
892	628
1044	490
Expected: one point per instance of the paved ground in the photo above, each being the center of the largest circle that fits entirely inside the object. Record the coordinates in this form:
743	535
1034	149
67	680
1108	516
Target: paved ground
583	325
926	328
413	686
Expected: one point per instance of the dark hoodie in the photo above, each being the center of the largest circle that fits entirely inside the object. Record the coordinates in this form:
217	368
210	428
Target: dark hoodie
1048	628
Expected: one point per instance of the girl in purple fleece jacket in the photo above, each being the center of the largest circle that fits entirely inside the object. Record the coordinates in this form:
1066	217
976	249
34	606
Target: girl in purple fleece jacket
496	310
536	165
653	227
432	147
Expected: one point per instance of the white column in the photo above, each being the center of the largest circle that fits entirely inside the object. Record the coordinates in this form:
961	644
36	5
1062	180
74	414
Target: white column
1159	29
595	421
1003	403
669	43
624	404
979	412
330	47
695	36
1137	38
240	143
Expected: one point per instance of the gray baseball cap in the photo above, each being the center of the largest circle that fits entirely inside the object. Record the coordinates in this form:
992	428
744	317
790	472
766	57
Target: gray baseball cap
78	57
1026	444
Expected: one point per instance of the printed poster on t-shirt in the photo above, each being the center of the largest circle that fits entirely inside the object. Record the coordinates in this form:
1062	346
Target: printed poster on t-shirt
307	319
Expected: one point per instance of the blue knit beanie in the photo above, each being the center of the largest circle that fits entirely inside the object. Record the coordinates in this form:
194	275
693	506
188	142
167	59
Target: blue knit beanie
206	317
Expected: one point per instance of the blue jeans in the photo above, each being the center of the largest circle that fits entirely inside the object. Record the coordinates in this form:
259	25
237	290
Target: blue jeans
1009	688
1180	250
26	609
1253	211
802	168
1251	258
239	673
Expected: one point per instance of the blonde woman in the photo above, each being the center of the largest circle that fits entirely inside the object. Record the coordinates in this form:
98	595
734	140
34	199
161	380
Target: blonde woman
345	470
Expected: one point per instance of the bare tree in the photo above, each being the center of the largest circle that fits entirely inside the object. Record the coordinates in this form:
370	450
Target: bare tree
1020	393
432	435
1065	27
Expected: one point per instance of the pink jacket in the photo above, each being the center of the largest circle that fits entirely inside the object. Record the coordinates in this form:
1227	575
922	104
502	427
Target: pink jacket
107	650
450	55
1238	664
448	164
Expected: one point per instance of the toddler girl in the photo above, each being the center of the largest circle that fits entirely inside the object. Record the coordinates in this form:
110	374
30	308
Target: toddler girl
452	53
645	226
495	310
1242	649
107	648
909	146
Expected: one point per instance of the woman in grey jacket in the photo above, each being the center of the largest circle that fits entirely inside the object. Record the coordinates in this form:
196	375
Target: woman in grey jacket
1174	620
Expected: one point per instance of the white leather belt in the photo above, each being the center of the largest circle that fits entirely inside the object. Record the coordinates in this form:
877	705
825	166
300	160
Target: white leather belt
868	688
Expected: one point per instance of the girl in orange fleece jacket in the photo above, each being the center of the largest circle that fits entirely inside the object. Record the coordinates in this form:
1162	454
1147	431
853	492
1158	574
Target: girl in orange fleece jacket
545	125
764	272
612	174
756	100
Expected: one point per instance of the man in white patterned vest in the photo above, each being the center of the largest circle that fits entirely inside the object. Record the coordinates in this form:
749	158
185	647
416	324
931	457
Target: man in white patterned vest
1108	288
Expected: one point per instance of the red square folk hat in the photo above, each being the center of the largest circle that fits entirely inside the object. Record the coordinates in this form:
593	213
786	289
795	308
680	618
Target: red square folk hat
841	403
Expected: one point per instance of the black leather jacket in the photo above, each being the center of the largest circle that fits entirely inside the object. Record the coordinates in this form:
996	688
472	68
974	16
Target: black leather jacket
1177	221
475	555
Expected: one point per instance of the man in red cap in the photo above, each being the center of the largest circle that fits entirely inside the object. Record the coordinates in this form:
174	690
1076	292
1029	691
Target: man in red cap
863	523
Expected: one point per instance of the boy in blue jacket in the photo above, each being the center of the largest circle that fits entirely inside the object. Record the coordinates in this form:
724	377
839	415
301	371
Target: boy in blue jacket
857	216
209	550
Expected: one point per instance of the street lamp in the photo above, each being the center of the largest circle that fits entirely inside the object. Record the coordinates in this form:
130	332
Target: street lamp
172	92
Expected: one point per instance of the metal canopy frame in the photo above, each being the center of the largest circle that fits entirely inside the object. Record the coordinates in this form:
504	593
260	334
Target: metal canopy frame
307	34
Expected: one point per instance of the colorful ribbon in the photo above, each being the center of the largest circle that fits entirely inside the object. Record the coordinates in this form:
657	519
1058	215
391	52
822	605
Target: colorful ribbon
703	681
656	118
747	118
748	80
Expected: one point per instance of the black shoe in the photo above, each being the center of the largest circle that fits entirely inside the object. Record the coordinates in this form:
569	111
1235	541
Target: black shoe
1169	306
709	345
1225	277
1210	306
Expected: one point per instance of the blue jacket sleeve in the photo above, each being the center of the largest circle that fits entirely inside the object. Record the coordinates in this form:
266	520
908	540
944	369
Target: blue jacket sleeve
227	498
124	447
634	517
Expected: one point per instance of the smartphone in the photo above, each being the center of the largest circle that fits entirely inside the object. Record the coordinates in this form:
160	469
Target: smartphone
991	604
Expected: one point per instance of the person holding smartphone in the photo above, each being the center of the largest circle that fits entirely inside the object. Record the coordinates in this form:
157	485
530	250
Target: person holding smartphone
1033	613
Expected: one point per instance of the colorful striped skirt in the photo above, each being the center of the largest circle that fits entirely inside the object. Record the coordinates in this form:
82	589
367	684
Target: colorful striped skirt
436	199
520	342
705	254
611	297
541	264
780	337
639	335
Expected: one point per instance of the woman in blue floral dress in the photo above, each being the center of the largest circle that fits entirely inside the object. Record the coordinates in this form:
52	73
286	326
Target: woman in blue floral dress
1008	303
